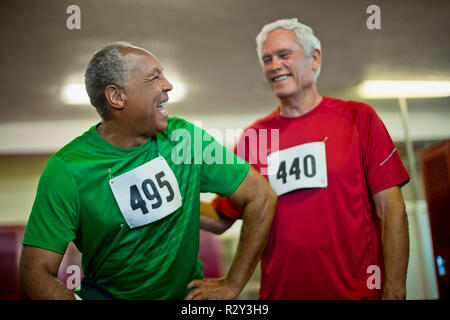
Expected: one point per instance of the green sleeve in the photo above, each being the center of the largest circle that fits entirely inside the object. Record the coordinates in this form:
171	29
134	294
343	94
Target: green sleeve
54	217
222	171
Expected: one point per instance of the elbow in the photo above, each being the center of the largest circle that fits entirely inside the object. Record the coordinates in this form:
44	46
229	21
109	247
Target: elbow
273	202
270	203
23	292
31	275
272	197
25	280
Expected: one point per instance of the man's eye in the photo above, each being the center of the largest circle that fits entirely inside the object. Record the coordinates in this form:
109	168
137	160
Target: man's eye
154	79
284	55
266	60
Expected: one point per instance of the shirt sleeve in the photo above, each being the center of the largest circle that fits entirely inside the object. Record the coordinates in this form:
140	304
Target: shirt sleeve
54	216
383	166
225	206
222	171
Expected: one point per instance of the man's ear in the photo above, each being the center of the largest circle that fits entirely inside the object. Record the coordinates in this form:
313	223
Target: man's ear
316	57
115	96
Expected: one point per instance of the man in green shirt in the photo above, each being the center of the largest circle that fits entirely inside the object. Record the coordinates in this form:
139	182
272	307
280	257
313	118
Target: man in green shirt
128	195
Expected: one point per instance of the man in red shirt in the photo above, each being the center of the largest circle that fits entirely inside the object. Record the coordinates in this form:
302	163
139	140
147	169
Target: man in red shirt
341	215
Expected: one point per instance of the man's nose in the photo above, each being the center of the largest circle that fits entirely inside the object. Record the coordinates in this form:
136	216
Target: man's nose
167	86
276	63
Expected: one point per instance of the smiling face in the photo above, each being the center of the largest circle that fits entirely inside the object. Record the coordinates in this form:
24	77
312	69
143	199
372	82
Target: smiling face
146	92
287	69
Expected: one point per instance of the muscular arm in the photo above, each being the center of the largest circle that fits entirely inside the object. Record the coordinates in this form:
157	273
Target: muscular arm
38	273
259	203
390	209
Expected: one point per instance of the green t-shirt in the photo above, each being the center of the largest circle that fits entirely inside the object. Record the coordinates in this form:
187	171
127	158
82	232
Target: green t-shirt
74	202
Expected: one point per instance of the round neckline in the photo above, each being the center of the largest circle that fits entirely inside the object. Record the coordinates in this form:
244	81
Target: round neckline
103	142
302	116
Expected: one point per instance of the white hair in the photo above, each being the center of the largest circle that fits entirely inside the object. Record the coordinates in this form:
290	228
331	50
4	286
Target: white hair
106	67
304	34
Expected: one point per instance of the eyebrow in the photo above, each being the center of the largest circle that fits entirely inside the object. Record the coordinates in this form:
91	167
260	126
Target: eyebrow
283	50
154	71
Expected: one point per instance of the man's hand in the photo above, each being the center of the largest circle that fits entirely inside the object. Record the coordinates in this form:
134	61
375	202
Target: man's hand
211	289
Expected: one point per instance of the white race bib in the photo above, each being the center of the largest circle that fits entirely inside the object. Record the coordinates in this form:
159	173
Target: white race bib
147	193
299	167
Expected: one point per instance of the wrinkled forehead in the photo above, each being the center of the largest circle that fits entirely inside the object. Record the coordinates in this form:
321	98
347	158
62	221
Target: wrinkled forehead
280	39
140	59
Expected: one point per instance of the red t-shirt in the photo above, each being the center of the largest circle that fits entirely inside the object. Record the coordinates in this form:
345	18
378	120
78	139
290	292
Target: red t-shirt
323	240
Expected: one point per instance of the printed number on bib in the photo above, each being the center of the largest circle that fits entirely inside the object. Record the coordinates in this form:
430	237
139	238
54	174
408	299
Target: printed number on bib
147	193
299	167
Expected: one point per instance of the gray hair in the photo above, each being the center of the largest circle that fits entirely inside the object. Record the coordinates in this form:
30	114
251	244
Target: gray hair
107	66
304	33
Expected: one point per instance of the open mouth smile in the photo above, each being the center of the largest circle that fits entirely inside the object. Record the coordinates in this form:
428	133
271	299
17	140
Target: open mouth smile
281	77
161	108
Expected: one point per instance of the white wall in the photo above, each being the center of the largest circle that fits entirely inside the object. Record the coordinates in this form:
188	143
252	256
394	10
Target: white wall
421	282
47	137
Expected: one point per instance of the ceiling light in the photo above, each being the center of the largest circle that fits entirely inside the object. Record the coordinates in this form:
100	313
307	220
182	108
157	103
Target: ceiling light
75	93
404	89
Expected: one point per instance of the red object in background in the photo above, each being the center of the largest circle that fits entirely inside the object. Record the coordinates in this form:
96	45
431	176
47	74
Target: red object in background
435	164
11	247
210	253
10	250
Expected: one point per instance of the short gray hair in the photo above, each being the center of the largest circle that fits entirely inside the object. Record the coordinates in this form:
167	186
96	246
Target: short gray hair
304	33
107	66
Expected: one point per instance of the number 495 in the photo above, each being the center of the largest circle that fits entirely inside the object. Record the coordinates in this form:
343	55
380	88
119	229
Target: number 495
136	200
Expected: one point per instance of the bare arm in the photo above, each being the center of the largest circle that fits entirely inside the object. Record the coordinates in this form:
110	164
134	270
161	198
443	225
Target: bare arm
38	273
211	221
390	208
259	203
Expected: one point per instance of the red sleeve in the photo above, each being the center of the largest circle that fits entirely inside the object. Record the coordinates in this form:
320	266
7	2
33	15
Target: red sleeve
383	166
228	208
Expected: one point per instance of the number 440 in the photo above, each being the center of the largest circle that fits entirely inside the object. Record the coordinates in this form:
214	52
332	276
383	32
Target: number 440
309	168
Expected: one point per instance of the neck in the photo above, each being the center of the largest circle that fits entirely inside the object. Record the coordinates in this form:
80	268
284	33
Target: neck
120	135
300	103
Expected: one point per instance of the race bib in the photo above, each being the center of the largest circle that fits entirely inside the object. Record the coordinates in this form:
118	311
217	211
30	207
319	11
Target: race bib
299	167
147	193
